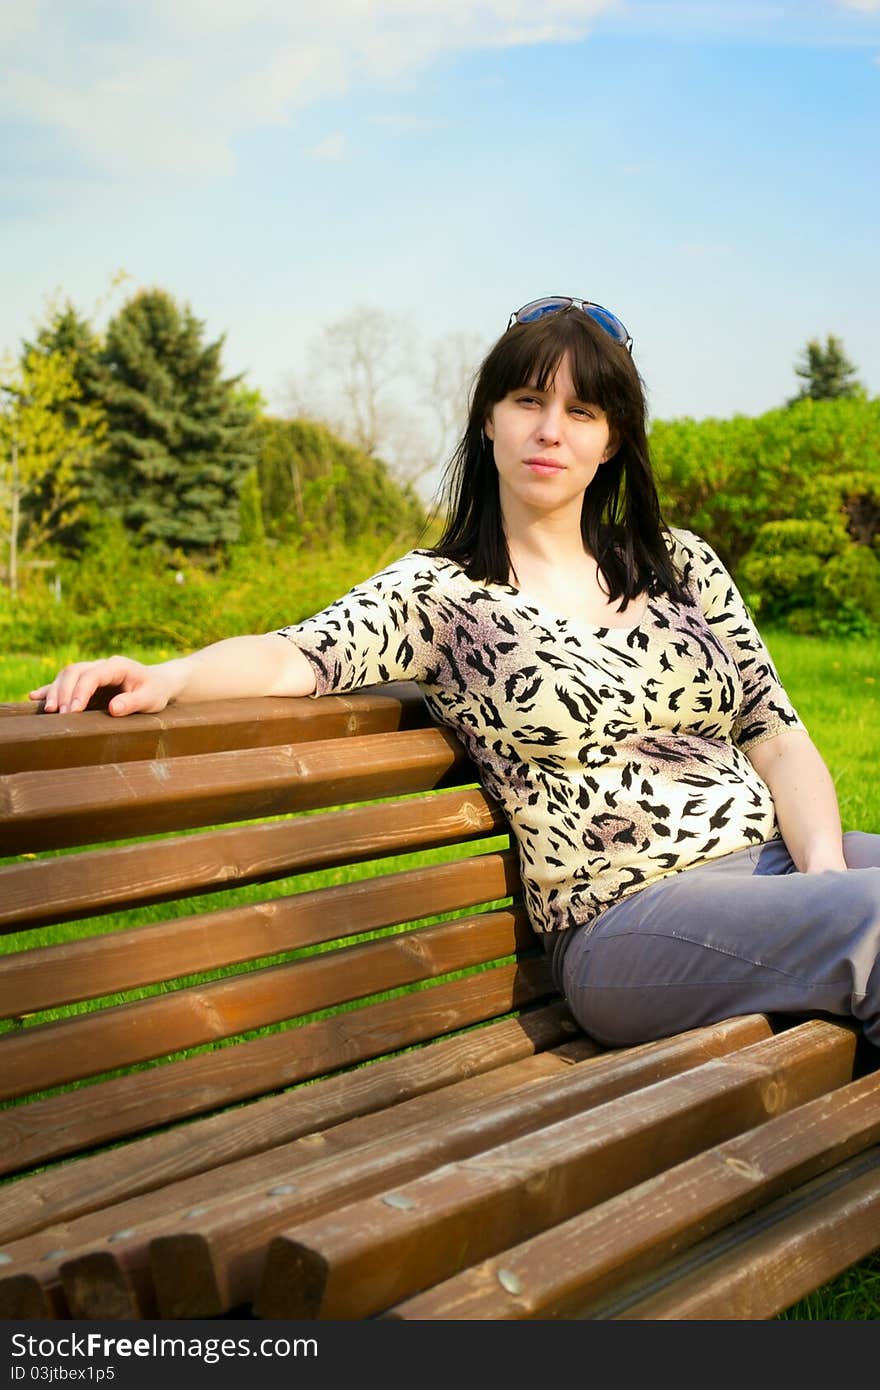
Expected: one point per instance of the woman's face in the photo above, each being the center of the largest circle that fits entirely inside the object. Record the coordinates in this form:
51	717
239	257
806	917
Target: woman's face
548	447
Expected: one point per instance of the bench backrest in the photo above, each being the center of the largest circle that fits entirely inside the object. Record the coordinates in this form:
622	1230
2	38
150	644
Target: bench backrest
284	890
278	791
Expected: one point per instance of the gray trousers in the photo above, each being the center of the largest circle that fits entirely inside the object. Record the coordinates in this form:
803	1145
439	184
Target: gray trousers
746	933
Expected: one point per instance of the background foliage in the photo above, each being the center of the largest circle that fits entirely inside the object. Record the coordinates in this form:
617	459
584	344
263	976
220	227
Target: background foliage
791	501
155	502
162	503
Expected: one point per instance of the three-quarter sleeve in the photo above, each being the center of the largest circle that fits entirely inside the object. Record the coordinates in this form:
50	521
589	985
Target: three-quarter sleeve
766	709
370	635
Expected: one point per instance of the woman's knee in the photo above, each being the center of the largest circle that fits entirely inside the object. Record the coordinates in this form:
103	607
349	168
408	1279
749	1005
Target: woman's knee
859	898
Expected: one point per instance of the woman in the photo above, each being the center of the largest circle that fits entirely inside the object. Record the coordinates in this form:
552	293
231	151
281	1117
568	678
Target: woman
679	838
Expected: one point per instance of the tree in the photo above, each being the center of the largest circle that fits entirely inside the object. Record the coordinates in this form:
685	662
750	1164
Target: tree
371	387
181	436
356	363
317	488
827	372
49	439
71	336
453	363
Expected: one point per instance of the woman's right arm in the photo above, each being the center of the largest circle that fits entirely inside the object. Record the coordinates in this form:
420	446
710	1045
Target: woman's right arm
237	667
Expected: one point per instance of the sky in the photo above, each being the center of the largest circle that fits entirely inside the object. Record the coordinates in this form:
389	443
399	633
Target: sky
707	170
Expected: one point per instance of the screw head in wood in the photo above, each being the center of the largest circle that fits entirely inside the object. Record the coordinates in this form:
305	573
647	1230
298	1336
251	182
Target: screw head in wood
398	1200
509	1281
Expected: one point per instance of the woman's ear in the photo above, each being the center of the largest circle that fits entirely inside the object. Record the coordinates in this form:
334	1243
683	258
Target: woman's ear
489	428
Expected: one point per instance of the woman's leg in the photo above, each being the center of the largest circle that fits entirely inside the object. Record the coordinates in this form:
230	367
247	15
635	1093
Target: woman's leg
742	934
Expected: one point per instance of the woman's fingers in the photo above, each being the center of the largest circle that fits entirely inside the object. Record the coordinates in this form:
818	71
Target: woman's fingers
74	686
58	691
138	694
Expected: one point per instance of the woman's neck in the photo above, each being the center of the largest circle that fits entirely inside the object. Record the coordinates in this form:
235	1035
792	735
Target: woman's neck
547	545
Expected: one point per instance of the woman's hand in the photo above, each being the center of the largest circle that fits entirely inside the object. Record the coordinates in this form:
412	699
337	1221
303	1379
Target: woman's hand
234	669
145	689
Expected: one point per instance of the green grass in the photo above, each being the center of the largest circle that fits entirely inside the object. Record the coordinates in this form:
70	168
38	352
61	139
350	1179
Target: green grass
834	686
21	672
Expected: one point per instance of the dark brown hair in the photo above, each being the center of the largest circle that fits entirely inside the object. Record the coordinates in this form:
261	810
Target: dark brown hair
621	522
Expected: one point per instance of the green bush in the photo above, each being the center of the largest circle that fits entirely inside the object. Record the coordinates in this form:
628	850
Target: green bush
791	501
809	575
725	479
120	596
851	582
316	488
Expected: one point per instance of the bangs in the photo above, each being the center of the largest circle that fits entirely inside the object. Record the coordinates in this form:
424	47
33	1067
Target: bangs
529	355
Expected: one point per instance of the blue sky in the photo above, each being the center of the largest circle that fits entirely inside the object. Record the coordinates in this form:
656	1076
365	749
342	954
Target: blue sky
708	170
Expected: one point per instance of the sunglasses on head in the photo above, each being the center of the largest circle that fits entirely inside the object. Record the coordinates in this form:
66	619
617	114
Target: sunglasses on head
537	308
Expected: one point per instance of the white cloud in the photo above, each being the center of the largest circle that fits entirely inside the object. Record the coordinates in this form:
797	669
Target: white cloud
20	18
179	80
332	147
167	87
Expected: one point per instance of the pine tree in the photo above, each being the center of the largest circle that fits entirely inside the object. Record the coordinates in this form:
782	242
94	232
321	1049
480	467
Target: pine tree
827	372
181	440
74	338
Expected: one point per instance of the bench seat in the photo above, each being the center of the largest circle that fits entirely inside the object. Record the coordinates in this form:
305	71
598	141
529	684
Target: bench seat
279	1042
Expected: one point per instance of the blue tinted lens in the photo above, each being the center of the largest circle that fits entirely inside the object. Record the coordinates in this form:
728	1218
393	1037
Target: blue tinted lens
607	321
536	310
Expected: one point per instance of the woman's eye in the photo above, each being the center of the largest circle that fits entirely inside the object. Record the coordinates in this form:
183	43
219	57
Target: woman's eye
583	411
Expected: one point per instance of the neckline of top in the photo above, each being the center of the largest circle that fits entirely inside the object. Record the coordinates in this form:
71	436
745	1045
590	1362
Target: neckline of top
525	601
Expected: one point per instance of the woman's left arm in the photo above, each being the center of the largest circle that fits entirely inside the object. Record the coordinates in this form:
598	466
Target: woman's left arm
805	800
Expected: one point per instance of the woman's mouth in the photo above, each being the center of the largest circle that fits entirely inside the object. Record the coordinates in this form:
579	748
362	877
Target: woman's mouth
544	466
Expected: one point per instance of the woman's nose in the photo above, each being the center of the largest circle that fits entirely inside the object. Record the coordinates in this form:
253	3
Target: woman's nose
549	425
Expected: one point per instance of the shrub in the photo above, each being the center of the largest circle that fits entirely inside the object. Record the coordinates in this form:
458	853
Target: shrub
120	596
727	478
317	489
810	576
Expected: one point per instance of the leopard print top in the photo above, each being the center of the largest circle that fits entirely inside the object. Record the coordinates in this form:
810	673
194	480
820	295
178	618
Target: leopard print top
617	754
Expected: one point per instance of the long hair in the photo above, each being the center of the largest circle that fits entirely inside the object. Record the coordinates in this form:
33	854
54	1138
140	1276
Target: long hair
621	524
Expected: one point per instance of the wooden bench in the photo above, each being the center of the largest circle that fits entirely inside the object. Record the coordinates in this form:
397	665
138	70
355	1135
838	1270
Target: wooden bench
489	1162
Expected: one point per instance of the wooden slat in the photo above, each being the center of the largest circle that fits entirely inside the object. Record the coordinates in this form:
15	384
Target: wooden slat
84	1119
38	1253
50	976
28	1299
112	1276
71	1189
358	1260
76	806
217	1266
583	1267
53	1054
808	1237
92	738
60	889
